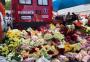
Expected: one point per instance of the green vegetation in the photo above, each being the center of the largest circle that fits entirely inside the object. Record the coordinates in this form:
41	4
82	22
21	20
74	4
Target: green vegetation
7	6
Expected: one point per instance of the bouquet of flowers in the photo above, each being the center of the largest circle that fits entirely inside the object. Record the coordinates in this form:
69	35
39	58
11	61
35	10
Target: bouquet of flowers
58	35
48	36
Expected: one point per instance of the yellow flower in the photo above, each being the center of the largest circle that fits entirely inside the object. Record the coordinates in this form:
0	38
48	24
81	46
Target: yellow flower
46	47
13	33
53	48
25	54
76	46
38	53
5	50
67	47
52	26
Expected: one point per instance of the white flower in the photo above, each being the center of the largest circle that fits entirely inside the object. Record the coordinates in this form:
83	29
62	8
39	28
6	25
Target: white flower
58	36
34	38
10	56
29	29
42	59
2	59
71	26
48	36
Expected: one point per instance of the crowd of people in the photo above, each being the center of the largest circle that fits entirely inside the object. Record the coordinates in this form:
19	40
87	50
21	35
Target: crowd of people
72	18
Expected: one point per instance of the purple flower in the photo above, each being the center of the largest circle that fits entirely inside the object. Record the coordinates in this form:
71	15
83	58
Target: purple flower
29	60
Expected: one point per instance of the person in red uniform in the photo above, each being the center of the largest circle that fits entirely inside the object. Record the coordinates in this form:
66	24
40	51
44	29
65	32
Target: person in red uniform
2	14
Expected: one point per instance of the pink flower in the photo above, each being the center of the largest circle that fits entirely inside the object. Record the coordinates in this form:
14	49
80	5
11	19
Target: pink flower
86	58
29	60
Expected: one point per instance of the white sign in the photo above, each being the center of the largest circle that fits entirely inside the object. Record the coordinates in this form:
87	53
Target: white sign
25	12
26	17
25	1
45	16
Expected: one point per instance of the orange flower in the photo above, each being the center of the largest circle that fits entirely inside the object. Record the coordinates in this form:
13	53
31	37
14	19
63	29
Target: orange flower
67	47
25	54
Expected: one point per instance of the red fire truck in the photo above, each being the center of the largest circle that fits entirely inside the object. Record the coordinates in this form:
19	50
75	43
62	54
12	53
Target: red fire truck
25	12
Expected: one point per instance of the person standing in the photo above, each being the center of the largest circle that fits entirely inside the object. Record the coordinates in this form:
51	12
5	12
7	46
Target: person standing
68	19
89	20
74	17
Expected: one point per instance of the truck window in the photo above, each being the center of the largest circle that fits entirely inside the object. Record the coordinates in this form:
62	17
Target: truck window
25	2
42	2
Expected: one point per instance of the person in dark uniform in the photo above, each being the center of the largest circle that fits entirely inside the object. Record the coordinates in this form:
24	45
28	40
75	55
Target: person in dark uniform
74	17
68	19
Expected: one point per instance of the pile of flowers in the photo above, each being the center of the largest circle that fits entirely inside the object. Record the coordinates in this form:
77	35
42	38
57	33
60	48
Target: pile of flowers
20	44
39	45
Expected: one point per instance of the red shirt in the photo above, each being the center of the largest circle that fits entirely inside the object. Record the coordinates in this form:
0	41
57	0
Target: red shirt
78	23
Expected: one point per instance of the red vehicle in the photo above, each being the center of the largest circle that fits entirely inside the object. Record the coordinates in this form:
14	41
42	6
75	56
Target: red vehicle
25	11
